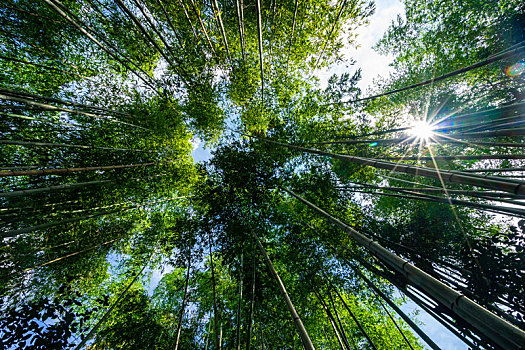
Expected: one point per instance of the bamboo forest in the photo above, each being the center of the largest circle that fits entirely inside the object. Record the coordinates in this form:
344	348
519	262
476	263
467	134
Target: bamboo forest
262	174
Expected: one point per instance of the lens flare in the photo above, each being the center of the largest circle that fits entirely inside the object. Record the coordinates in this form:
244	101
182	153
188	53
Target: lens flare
422	130
515	69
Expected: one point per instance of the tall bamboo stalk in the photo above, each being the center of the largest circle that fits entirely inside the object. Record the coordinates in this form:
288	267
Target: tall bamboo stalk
68	110
65	15
365	333
252	300
217	12
183	307
494	58
260	41
61	171
330	318
103	319
215	312
331	31
495	183
482	321
239	304
303	334
203	27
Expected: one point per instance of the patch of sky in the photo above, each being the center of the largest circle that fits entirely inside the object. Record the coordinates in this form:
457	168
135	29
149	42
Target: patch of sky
439	334
372	64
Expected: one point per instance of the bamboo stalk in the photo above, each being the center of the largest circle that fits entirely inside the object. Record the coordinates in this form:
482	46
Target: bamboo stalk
103	319
65	15
494	58
407	319
183	307
47	144
203	27
71	170
215	312
18	232
296	6
303	334
217	11
493	327
461	157
241	33
28	95
452	201
260	41
495	183
365	333
252	300
330	318
331	32
239	304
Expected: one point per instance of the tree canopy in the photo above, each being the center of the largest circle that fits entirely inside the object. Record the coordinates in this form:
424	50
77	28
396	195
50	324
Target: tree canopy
323	211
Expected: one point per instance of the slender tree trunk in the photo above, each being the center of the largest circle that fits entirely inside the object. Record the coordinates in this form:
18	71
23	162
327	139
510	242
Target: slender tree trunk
215	311
43	172
343	333
495	183
65	15
252	300
239	304
183	308
330	318
303	334
217	11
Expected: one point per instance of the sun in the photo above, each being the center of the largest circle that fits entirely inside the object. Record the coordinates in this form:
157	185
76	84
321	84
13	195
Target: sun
422	130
